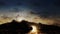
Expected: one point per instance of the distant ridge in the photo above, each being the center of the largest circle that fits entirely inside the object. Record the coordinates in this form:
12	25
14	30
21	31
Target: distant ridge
24	27
15	26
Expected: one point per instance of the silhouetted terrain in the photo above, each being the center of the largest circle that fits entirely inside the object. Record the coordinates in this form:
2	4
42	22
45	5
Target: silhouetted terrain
24	27
15	28
49	29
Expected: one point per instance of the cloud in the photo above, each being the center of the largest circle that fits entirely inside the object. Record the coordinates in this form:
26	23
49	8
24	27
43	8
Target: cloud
2	3
47	10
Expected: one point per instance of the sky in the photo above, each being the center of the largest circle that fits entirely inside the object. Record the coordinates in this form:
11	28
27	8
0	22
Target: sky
44	11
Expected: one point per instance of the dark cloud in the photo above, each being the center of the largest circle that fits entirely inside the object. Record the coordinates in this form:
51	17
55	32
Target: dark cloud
2	3
41	7
57	3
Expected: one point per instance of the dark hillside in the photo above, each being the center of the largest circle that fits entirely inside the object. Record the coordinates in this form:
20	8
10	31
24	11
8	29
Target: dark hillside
23	27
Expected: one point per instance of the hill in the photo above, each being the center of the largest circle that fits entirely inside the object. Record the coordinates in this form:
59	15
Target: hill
24	27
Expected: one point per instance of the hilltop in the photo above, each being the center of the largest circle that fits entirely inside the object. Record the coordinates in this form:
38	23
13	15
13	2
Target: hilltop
24	27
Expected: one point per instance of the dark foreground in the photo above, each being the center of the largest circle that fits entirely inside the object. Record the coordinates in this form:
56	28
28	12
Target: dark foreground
24	27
